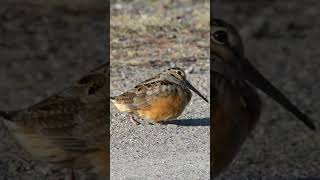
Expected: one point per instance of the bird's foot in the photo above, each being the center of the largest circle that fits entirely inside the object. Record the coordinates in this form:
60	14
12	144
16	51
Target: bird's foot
131	119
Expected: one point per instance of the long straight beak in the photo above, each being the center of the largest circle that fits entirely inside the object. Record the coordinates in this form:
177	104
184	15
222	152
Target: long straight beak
196	91
254	77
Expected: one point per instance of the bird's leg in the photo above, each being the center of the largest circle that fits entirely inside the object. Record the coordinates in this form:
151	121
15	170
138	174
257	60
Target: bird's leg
70	175
131	119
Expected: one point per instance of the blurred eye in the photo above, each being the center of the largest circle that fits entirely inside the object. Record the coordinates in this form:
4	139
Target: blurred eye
179	72
220	37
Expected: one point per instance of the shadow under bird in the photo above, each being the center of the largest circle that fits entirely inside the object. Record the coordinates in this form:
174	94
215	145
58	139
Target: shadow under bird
68	129
159	99
236	106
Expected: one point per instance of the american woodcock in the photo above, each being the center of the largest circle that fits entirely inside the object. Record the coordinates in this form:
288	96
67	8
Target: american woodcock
70	128
159	99
236	106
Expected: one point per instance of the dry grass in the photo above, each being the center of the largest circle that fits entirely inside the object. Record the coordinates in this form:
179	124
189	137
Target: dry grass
142	33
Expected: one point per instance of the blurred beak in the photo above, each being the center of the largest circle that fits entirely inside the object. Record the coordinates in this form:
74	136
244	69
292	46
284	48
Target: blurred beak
248	73
195	91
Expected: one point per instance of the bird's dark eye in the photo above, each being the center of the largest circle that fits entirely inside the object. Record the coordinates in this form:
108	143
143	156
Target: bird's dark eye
220	37
179	72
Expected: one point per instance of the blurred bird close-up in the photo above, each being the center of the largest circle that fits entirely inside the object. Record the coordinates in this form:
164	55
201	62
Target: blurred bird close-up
237	105
68	129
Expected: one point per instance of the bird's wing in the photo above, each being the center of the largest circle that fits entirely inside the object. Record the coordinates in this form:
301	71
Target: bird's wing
76	118
142	95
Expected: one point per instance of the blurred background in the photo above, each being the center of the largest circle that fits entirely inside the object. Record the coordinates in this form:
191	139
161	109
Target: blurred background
281	39
44	46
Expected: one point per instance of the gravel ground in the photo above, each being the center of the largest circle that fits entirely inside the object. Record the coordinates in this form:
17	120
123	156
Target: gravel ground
282	40
175	151
158	35
41	53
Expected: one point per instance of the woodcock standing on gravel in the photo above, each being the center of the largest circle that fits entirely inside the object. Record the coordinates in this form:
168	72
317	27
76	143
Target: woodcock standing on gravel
159	99
236	106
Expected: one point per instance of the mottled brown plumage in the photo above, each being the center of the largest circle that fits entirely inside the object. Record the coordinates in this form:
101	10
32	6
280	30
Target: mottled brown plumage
69	128
236	106
158	99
